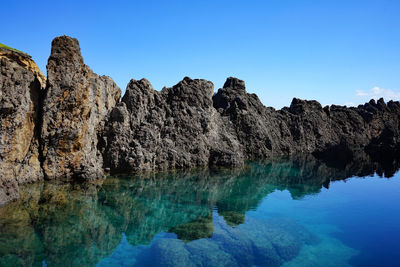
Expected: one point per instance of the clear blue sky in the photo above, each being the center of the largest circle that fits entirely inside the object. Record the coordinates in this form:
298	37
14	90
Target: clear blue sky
331	51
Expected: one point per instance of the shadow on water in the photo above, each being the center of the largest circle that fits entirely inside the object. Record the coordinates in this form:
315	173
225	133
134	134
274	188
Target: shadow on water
174	218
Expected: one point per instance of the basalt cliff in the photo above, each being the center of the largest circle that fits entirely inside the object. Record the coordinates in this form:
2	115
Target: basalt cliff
74	125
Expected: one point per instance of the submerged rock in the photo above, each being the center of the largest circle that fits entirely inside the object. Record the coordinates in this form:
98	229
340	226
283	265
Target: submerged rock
170	252
76	103
205	252
254	243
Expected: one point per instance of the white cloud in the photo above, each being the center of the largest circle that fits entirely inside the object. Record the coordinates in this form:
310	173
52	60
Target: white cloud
378	92
350	104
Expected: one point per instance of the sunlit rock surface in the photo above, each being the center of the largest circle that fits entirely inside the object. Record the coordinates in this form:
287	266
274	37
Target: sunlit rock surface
74	107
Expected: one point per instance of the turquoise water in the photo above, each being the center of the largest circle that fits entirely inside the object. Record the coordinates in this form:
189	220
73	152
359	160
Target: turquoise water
293	212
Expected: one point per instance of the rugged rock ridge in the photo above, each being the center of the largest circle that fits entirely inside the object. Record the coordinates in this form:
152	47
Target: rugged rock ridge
305	127
76	126
178	128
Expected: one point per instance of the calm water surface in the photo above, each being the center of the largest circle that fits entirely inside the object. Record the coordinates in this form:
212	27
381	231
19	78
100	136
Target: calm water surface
297	212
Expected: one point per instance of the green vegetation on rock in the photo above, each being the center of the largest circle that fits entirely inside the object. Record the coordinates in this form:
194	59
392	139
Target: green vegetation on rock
10	48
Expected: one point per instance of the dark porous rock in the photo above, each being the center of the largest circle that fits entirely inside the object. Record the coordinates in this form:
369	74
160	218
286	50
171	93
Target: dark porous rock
21	83
76	103
175	128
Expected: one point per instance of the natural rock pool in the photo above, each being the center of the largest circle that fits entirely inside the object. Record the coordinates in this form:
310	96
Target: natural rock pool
288	212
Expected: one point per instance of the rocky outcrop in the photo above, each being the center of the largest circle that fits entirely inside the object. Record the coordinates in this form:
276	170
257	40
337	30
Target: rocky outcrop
76	126
76	103
21	83
175	128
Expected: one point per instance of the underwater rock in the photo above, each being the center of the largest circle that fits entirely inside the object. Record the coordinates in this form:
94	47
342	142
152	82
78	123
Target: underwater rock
205	252
329	252
233	241
254	243
170	253
273	244
74	108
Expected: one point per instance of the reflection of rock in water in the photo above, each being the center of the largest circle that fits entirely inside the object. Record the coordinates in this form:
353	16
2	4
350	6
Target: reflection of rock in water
80	224
262	243
232	218
196	229
58	223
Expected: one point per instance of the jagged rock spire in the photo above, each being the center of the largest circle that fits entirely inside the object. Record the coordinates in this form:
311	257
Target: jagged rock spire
76	104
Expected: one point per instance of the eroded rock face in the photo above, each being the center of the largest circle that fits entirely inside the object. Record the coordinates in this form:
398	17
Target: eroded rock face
21	83
76	103
175	128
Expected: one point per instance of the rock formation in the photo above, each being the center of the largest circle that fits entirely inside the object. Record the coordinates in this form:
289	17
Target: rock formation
178	128
76	103
21	83
77	126
175	128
